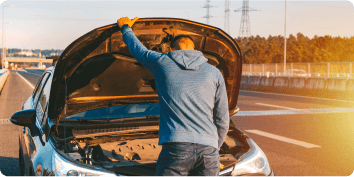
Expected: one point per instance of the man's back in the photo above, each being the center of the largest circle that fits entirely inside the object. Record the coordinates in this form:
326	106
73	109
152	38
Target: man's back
187	87
199	109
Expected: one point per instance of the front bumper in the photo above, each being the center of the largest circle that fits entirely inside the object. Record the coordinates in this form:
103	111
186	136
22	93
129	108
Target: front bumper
228	172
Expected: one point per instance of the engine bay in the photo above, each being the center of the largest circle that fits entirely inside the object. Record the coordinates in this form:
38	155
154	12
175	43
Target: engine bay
136	153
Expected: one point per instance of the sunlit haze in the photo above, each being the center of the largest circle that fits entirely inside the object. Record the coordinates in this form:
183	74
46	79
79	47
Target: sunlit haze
55	24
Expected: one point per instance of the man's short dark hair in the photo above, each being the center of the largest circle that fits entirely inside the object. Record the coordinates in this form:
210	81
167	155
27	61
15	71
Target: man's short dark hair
176	38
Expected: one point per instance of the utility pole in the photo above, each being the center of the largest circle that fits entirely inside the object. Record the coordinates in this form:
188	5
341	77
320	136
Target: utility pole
227	16
3	37
208	6
245	28
285	41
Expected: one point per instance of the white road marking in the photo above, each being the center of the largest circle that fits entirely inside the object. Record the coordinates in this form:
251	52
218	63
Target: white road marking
284	139
26	81
280	94
291	112
269	105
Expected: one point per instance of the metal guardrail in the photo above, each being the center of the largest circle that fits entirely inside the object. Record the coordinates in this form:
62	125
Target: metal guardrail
3	71
3	77
268	74
340	69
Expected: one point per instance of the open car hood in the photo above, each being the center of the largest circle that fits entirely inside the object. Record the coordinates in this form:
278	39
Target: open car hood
97	70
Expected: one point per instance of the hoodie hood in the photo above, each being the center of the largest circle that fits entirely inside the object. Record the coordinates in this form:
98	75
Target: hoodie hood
188	59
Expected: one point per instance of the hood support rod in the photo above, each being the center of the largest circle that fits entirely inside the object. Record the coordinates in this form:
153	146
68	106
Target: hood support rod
66	88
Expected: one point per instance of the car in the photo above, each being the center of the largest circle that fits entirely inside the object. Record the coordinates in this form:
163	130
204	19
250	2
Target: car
97	113
296	72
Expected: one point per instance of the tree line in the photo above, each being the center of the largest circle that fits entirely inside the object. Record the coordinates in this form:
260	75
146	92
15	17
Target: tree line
299	49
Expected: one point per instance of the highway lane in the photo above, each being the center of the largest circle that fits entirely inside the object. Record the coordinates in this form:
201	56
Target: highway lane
249	101
331	131
34	71
14	93
31	75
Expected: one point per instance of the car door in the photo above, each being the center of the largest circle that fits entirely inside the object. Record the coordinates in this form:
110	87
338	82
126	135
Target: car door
41	157
28	145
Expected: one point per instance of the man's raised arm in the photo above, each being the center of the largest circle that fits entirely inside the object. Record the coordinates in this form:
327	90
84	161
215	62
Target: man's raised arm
147	58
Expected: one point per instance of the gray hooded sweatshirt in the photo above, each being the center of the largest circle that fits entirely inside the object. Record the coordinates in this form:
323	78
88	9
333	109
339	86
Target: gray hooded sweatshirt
192	94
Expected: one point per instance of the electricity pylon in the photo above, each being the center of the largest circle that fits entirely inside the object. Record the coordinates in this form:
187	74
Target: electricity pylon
227	16
208	6
245	28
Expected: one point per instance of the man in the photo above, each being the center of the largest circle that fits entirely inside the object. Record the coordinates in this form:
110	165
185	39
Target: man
194	117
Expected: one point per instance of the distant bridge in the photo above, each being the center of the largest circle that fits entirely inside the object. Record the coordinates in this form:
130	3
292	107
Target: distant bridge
18	60
28	60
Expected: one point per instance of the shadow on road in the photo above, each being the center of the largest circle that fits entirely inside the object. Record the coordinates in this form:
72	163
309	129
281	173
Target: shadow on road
9	166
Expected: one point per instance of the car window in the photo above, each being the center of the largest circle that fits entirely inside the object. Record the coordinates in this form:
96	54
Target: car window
38	87
44	117
43	99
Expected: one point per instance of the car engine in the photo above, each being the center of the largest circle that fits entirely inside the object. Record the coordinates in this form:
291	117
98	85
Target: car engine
135	153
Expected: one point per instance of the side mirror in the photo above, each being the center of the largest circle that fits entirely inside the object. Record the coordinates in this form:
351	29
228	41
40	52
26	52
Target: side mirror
24	117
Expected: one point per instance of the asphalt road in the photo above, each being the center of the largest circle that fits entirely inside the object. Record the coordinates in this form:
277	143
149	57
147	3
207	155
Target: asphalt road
330	133
299	135
15	91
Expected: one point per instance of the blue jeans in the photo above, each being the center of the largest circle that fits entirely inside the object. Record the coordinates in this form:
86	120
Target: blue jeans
182	159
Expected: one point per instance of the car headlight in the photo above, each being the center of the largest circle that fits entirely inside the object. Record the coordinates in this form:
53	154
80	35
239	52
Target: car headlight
62	167
254	162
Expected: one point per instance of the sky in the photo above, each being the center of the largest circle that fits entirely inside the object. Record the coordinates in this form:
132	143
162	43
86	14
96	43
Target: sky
55	24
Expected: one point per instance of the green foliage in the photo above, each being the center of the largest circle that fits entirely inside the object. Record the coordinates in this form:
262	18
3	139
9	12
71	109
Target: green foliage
299	49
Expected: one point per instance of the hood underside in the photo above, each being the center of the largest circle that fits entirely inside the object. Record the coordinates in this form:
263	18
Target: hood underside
99	70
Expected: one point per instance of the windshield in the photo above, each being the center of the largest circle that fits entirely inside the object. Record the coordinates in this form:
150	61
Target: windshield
121	111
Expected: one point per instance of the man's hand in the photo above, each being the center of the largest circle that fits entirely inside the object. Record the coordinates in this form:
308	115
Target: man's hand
125	20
